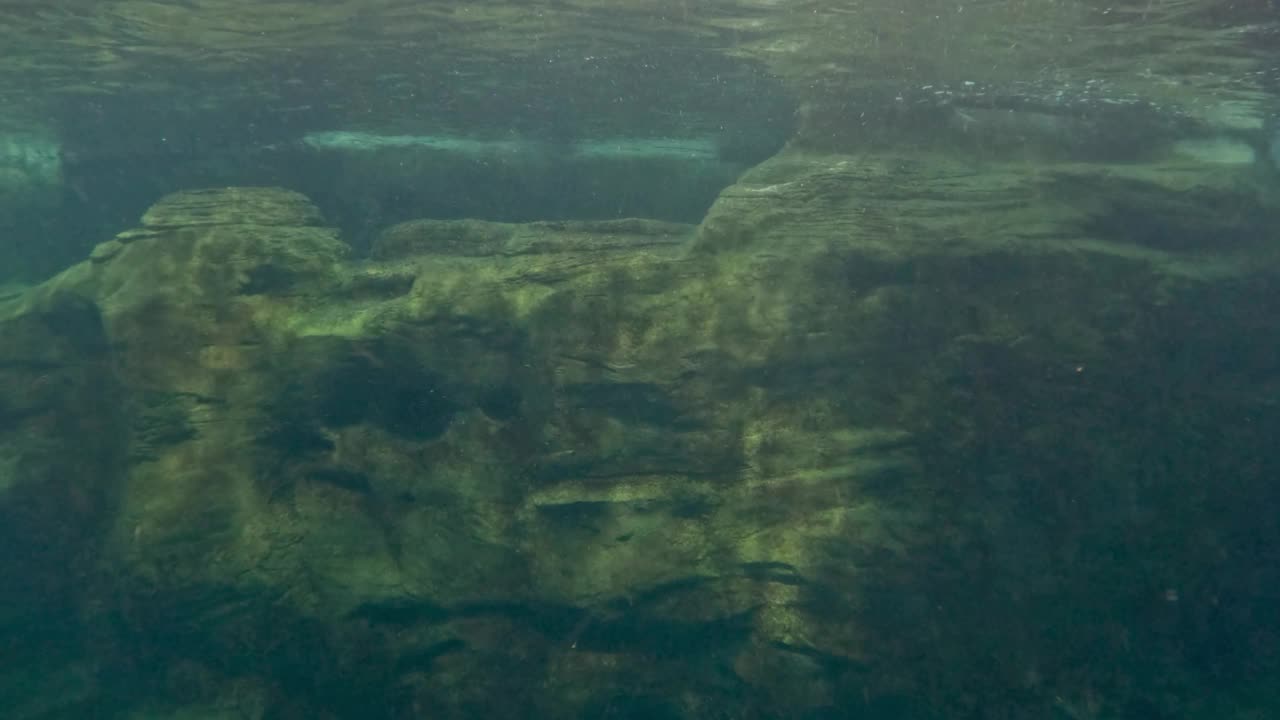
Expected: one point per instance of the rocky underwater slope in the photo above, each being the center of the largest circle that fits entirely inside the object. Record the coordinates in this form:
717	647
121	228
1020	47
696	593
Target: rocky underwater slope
890	434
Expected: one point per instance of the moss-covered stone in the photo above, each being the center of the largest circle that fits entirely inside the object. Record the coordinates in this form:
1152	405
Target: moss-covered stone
875	430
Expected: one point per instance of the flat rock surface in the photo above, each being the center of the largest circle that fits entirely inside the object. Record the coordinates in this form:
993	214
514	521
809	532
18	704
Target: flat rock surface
232	206
478	238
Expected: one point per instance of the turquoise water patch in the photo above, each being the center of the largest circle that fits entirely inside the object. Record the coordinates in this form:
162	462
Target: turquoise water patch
607	148
673	148
348	140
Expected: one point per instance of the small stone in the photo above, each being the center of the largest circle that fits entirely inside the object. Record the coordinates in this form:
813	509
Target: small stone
104	251
129	236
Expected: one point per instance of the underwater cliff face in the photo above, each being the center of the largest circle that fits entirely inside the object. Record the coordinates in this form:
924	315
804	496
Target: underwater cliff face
725	360
790	461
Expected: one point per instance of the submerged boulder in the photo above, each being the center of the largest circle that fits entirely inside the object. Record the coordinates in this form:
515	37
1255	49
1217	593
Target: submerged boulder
784	462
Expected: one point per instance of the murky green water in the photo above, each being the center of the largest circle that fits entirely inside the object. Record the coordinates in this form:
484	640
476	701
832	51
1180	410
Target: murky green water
737	359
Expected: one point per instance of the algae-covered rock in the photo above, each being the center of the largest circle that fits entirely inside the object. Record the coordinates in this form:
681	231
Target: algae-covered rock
232	206
447	237
964	404
475	238
845	438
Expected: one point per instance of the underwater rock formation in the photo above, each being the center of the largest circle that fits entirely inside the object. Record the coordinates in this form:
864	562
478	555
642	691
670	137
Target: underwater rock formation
948	390
868	439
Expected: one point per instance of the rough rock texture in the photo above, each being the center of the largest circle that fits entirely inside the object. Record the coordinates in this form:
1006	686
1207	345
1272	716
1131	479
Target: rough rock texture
477	238
964	405
889	435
